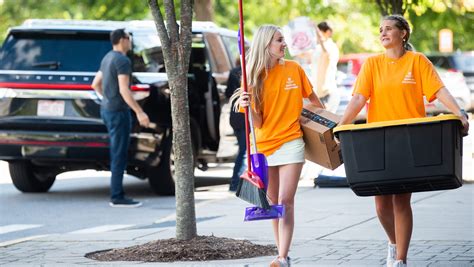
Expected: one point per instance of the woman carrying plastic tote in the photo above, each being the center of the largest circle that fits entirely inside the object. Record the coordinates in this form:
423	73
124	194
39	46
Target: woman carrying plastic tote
276	91
395	83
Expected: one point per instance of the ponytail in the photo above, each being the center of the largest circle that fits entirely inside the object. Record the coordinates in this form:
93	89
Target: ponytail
408	46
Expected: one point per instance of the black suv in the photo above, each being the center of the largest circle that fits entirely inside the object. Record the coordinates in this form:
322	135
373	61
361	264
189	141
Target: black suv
49	114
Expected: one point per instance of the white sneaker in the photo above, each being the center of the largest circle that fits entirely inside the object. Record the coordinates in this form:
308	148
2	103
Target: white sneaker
391	254
280	262
399	263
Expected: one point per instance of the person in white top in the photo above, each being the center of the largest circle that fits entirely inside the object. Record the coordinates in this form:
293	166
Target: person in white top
324	67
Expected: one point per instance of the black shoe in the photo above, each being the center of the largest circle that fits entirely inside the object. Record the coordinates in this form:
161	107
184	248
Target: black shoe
125	203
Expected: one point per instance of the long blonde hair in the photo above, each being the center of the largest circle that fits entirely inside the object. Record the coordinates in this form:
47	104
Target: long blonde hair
258	63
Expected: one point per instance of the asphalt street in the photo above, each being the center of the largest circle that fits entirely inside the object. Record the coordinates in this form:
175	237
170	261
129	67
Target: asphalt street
79	202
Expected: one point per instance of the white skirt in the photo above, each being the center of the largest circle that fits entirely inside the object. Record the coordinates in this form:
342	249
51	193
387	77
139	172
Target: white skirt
289	152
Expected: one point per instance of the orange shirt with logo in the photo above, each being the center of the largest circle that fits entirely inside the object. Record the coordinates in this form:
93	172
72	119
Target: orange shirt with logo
283	91
396	87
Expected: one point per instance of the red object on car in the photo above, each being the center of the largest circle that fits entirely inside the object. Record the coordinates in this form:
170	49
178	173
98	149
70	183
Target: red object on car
354	61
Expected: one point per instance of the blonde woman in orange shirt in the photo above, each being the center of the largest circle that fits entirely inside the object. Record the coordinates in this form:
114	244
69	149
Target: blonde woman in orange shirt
276	91
395	82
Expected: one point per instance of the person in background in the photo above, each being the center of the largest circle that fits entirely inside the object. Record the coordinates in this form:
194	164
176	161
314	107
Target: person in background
112	82
324	67
395	83
237	122
275	99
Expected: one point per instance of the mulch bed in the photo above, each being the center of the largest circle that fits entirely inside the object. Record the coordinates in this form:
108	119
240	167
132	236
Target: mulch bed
200	248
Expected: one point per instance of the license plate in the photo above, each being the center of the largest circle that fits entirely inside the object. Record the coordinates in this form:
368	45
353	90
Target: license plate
53	108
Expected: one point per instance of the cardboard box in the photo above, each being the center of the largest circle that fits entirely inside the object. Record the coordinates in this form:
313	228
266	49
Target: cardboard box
320	148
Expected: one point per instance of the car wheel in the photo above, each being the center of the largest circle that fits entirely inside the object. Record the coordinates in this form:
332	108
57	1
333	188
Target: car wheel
27	180
161	178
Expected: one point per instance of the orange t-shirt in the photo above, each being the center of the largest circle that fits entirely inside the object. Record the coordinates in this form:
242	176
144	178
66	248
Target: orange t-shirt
283	91
396	87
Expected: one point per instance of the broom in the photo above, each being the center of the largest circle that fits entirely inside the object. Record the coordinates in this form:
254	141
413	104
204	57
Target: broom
260	167
250	187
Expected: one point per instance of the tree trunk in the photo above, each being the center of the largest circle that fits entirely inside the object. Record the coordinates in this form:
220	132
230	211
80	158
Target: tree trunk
176	46
183	159
204	10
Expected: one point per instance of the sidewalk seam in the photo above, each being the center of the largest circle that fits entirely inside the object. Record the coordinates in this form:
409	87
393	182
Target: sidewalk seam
345	228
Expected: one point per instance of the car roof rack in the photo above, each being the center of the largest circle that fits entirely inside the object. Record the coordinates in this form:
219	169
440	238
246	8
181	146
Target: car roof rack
53	23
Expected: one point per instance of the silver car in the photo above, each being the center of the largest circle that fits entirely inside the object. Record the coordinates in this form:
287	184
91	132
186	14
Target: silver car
461	62
457	86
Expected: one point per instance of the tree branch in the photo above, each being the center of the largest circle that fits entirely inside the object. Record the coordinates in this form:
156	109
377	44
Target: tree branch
388	7
159	24
381	7
404	7
186	17
397	7
171	23
186	30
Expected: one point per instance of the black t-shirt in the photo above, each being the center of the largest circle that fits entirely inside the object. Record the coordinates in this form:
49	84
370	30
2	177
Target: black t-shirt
113	64
237	119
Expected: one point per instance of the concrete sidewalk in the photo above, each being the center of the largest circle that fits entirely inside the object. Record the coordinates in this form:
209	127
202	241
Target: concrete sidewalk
333	227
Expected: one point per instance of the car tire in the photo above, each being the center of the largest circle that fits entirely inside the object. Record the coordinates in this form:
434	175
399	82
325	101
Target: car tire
26	180
161	178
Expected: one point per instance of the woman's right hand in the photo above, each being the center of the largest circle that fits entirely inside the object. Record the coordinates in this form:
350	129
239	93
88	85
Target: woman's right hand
244	102
465	124
244	99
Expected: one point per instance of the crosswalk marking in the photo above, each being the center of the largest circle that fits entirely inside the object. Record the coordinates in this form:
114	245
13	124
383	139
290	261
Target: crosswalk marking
102	228
20	240
17	227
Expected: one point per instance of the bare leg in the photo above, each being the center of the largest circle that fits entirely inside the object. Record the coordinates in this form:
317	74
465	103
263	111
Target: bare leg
272	193
384	208
289	176
403	223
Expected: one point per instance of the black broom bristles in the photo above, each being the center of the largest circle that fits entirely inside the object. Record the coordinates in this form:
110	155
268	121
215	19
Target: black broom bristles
251	193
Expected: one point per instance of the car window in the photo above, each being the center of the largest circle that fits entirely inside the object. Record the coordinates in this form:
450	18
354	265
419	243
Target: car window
345	67
464	63
151	59
144	40
440	62
232	45
75	51
145	44
217	49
